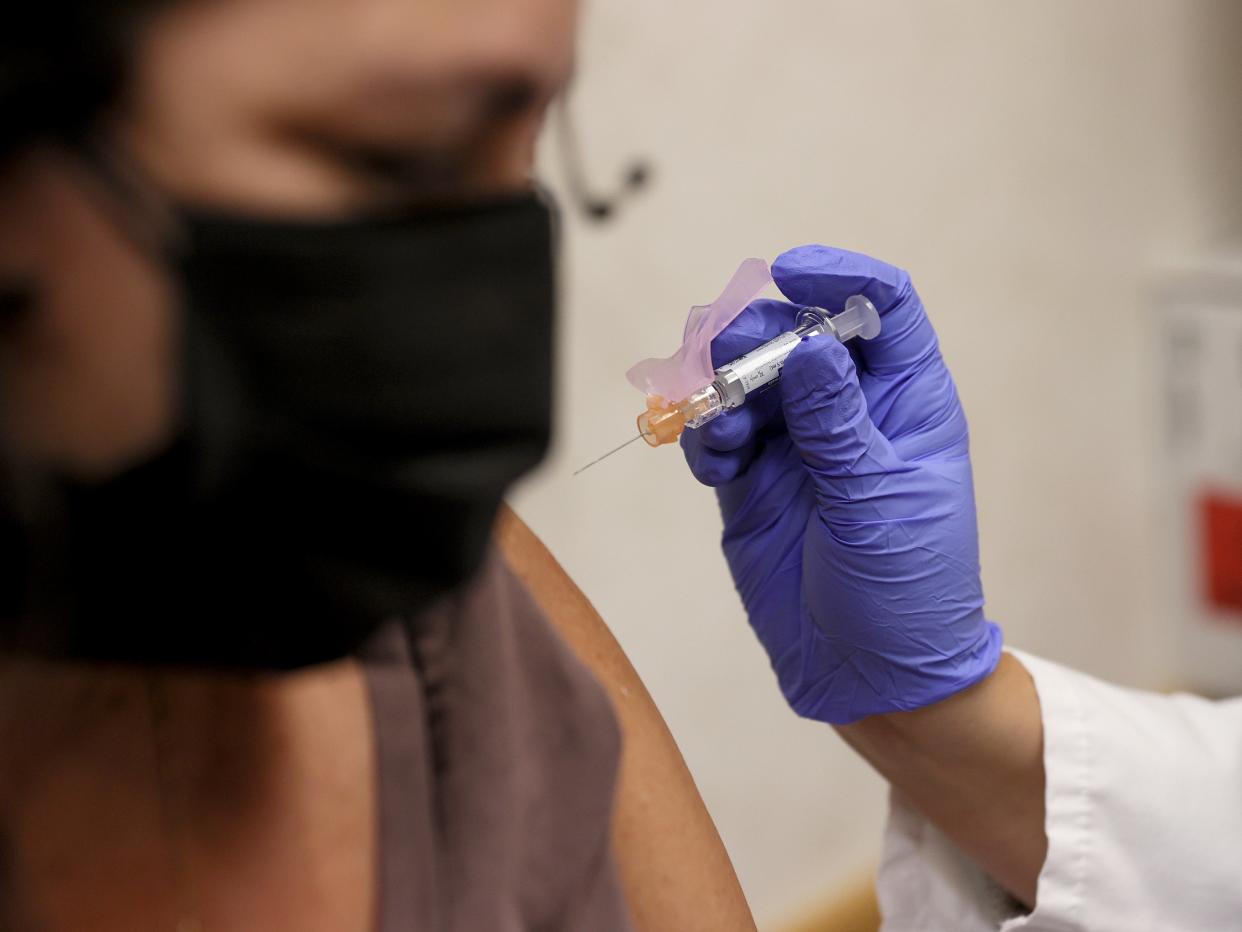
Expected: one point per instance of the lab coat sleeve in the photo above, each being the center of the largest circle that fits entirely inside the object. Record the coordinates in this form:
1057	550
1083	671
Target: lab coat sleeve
1144	821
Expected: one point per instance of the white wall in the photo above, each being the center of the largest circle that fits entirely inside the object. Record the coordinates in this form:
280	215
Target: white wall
1028	162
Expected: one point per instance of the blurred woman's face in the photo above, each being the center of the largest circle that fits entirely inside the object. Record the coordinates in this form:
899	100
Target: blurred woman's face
313	108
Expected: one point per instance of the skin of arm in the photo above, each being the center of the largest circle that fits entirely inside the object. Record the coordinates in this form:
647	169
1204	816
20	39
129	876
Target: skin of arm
675	870
973	765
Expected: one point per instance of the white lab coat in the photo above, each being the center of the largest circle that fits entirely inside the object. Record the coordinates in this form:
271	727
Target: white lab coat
1144	823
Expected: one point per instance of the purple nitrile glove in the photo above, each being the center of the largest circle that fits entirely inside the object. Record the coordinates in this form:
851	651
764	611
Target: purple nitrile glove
849	514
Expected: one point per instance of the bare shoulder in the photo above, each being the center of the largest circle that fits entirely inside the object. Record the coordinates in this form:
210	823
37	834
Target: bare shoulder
676	872
566	606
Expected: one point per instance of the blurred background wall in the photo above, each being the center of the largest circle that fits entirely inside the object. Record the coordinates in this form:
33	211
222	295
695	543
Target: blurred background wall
1031	163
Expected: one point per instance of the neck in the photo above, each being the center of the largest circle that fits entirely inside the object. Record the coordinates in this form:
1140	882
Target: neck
186	800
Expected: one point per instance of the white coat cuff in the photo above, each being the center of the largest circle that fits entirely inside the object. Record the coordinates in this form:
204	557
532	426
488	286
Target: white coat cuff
1069	797
925	883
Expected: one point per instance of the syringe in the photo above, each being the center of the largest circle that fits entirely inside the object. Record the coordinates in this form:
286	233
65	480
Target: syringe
663	421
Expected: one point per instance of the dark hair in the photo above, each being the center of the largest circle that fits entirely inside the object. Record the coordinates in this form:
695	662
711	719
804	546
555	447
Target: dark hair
62	63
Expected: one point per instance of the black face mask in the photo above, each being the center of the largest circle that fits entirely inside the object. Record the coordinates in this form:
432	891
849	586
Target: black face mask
357	397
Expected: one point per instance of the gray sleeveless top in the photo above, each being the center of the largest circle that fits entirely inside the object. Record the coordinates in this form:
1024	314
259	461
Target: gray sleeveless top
498	756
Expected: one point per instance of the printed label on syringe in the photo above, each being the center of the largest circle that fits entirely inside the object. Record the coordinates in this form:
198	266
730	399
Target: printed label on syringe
763	364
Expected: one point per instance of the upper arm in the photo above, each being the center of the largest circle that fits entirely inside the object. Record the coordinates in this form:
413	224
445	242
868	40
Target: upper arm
675	870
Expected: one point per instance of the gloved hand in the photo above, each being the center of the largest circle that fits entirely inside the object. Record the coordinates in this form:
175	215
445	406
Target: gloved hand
849	515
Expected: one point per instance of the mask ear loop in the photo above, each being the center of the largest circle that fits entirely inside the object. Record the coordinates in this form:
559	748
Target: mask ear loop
146	217
127	196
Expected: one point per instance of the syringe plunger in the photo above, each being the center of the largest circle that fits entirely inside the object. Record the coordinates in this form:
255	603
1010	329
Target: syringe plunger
858	319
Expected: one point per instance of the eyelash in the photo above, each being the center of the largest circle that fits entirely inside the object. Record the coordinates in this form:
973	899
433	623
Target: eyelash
399	168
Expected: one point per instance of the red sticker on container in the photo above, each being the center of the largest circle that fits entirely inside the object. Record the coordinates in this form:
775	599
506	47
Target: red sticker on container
1221	522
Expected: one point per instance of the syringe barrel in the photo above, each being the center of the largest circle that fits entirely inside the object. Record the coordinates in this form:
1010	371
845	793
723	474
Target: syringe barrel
702	406
758	368
761	367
